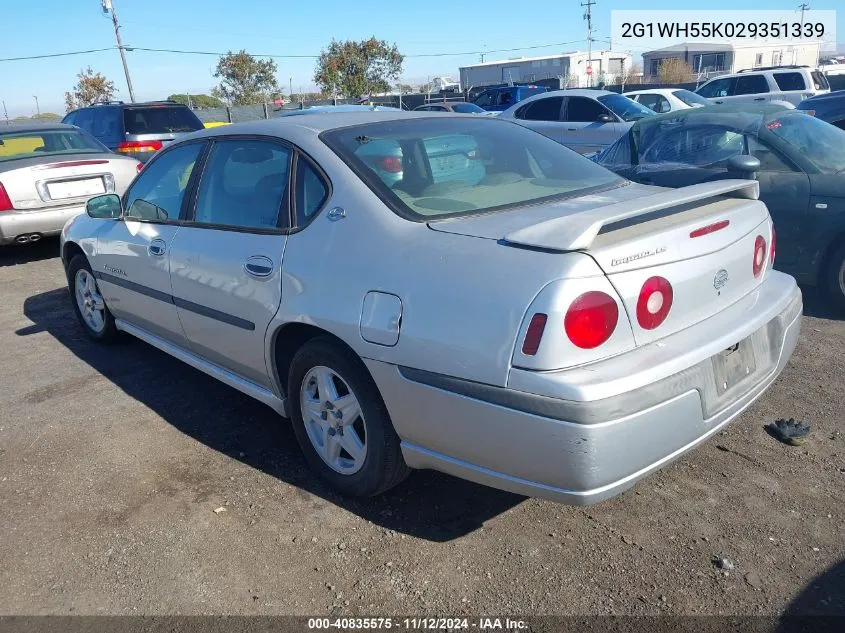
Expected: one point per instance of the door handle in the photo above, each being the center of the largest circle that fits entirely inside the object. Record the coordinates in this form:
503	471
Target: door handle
157	247
259	266
760	99
718	102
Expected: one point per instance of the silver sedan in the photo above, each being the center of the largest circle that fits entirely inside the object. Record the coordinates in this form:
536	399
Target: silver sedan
47	173
446	292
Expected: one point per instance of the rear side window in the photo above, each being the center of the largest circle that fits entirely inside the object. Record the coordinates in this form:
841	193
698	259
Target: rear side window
790	81
244	185
505	98
311	192
750	85
160	120
105	124
542	110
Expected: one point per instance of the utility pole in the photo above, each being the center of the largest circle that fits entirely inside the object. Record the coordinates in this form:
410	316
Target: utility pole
37	108
588	16
5	112
290	86
802	8
109	6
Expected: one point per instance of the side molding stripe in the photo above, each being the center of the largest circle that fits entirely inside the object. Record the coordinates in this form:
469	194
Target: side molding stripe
196	308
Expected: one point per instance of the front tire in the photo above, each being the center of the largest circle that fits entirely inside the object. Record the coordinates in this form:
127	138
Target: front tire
88	303
341	422
836	278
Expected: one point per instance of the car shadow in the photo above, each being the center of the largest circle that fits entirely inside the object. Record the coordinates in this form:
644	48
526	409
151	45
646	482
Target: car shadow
817	304
15	254
820	606
427	505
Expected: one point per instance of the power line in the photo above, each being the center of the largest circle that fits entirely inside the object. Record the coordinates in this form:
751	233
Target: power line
48	55
278	56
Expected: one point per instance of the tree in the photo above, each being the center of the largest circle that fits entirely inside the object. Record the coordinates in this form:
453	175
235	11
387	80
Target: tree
355	69
245	79
197	101
630	75
673	70
90	88
405	88
46	115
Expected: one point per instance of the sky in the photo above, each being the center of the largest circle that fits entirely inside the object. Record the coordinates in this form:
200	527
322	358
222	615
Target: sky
419	28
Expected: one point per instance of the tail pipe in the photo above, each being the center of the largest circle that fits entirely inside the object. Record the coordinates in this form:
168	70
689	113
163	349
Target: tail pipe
28	239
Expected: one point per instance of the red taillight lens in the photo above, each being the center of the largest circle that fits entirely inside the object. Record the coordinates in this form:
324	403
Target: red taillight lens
759	255
139	166
710	228
654	302
390	164
135	147
591	319
772	247
534	334
5	200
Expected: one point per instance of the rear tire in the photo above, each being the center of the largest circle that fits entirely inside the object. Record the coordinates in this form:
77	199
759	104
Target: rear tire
836	278
341	421
88	303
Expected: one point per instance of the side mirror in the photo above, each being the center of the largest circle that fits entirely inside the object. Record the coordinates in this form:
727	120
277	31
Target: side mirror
604	117
107	207
744	164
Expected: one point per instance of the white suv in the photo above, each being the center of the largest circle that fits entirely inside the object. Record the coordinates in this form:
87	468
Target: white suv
779	84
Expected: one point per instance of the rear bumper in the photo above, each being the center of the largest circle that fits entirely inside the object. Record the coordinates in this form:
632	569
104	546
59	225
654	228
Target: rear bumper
14	224
583	435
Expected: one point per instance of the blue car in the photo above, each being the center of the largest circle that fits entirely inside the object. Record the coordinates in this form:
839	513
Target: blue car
503	97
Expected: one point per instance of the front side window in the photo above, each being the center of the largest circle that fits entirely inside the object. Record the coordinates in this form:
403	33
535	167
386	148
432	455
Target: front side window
47	142
433	168
690	98
244	184
715	88
750	85
581	109
769	159
157	194
790	81
484	99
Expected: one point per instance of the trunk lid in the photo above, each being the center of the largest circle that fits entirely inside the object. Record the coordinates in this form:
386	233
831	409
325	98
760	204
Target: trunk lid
699	238
43	182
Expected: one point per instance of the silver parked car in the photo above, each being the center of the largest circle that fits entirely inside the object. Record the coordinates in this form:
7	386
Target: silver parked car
540	325
583	120
47	173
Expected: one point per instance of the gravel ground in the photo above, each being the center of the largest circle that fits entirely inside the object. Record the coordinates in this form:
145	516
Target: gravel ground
113	461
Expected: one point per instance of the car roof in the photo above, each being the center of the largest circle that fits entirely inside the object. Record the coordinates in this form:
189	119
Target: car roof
738	114
661	91
319	122
335	109
27	126
579	92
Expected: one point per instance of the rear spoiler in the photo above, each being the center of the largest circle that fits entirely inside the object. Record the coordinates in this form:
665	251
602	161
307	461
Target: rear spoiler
576	232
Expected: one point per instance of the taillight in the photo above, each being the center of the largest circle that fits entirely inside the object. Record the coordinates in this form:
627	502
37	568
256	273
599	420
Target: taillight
654	302
534	334
772	247
139	166
390	164
710	228
135	147
591	319
5	200
759	255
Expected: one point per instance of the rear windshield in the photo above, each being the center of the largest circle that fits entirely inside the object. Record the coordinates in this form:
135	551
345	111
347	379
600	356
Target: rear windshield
30	144
434	168
821	143
524	93
467	108
819	80
690	98
625	108
160	120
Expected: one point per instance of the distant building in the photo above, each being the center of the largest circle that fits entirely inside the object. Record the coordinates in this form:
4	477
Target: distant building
569	68
714	58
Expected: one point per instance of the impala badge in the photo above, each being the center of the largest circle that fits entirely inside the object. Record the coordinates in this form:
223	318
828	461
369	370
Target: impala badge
720	279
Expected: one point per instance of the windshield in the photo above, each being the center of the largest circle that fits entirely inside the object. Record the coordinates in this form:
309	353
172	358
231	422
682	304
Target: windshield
690	98
626	109
440	167
467	108
160	120
37	143
821	143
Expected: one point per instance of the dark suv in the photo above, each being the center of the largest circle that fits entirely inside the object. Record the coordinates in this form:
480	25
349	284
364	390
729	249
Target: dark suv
135	129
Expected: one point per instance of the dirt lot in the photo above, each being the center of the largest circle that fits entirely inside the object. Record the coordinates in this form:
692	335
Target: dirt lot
113	460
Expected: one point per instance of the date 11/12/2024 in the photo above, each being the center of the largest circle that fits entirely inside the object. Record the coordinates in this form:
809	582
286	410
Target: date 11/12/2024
416	624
